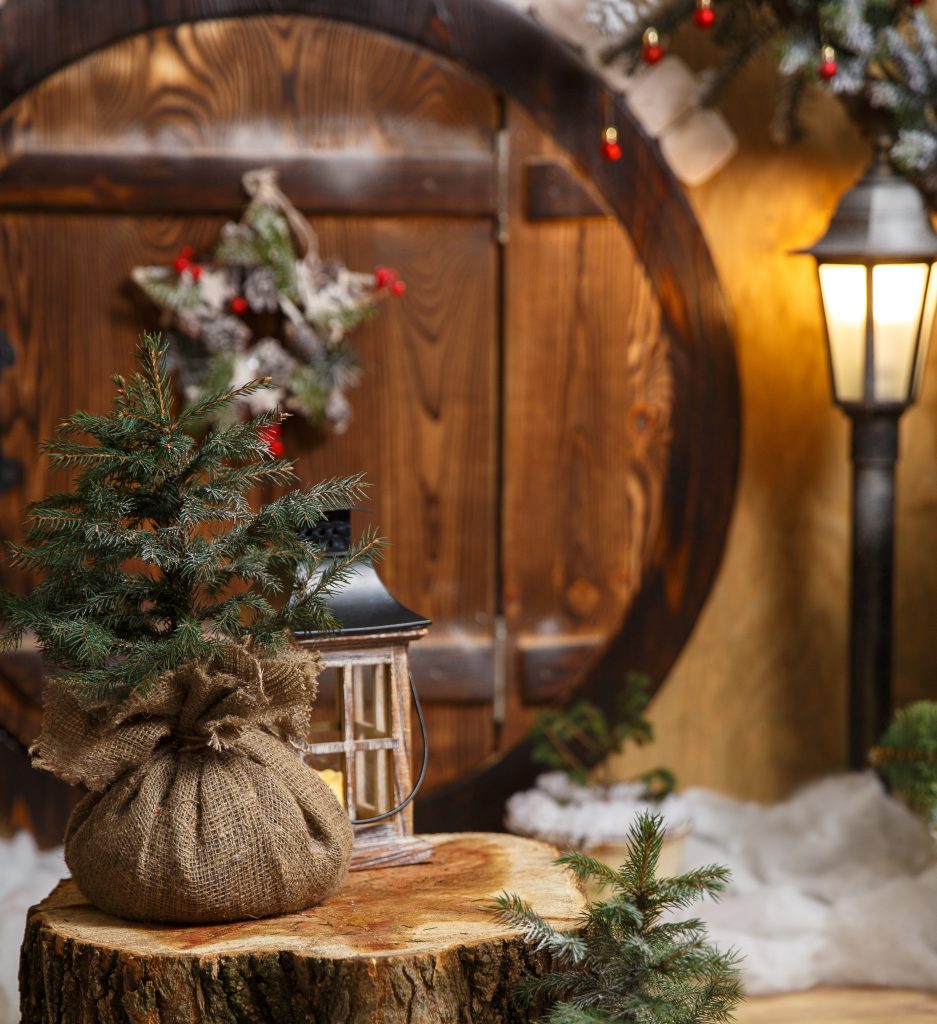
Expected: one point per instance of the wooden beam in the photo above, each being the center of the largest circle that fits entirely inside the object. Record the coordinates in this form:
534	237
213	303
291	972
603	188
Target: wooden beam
461	185
454	672
553	192
548	668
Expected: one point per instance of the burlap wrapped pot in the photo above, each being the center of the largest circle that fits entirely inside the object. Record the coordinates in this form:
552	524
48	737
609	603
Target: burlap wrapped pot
199	811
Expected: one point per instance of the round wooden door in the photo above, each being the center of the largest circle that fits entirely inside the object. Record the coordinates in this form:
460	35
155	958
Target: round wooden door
549	419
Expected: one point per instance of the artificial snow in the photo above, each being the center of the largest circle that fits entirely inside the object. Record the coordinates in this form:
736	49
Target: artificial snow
837	885
27	875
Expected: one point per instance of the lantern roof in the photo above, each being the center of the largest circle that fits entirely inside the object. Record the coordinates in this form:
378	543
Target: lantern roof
363	605
883	218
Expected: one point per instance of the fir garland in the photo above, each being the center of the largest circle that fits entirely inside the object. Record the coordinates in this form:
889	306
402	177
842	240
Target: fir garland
878	56
257	308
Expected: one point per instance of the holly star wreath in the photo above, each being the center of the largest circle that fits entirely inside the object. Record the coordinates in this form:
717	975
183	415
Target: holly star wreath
256	308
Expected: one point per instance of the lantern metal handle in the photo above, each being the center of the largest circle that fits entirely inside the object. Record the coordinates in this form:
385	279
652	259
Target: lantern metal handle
419	782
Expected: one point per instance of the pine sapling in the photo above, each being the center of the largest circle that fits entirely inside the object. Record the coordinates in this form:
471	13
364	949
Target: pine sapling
583	737
630	961
156	557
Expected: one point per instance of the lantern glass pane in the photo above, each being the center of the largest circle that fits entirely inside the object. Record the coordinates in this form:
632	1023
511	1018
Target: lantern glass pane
843	288
897	302
927	330
374	792
325	729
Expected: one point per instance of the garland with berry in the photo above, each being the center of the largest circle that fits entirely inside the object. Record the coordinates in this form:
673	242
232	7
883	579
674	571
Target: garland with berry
257	308
878	56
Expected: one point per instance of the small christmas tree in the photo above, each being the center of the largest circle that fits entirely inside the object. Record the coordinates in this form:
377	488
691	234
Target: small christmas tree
156	557
627	963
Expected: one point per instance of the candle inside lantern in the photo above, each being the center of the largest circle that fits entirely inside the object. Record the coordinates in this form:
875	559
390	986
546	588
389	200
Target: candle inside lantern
335	780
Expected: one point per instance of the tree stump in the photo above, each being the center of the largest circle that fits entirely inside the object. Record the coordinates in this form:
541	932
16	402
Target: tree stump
415	944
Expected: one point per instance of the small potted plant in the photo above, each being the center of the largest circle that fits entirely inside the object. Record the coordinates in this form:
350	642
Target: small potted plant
162	616
580	805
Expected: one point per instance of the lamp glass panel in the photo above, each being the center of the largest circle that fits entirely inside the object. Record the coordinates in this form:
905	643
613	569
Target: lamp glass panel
845	304
373	721
927	330
897	299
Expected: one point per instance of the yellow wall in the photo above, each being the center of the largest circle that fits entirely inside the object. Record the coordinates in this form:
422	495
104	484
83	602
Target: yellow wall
756	703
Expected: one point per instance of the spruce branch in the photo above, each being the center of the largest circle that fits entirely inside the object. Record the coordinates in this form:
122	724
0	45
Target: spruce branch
623	965
155	557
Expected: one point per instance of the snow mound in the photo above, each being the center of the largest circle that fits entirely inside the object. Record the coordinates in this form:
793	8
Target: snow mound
837	885
27	875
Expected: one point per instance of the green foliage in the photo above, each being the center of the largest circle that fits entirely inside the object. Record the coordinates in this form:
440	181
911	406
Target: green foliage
156	556
629	962
268	243
906	757
582	737
885	50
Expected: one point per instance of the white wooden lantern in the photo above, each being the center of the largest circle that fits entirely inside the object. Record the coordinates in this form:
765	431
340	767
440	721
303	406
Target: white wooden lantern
360	740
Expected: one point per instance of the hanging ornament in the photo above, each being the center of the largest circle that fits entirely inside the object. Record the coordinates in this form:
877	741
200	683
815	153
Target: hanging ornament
704	16
828	66
651	51
611	149
272	436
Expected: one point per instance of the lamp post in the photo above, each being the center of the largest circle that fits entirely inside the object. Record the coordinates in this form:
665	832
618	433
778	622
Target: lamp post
877	266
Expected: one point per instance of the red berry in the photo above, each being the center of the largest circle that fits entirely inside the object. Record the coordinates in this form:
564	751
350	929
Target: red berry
384	277
827	69
611	150
272	436
181	263
704	17
239	304
196	271
652	54
187	252
397	288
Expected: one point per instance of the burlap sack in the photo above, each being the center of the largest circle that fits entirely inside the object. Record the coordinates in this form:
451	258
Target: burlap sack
199	812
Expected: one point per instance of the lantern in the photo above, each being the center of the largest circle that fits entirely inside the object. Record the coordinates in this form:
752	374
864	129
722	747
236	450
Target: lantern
360	738
877	267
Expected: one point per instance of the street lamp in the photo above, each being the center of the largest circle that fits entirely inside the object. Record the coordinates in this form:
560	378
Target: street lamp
877	266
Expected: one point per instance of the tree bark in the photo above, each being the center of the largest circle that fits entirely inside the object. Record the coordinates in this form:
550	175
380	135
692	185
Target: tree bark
412	944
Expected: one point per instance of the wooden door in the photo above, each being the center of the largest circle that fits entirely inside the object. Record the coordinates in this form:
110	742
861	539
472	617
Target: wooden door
520	409
295	92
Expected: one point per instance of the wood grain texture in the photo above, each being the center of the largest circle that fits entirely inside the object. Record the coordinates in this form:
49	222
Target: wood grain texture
589	395
566	100
415	944
841	1006
553	192
424	426
336	182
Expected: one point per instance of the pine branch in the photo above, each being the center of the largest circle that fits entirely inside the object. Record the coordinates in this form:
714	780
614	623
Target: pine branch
155	557
628	966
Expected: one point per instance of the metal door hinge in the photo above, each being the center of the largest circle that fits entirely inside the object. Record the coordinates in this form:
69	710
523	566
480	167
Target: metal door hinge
502	186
